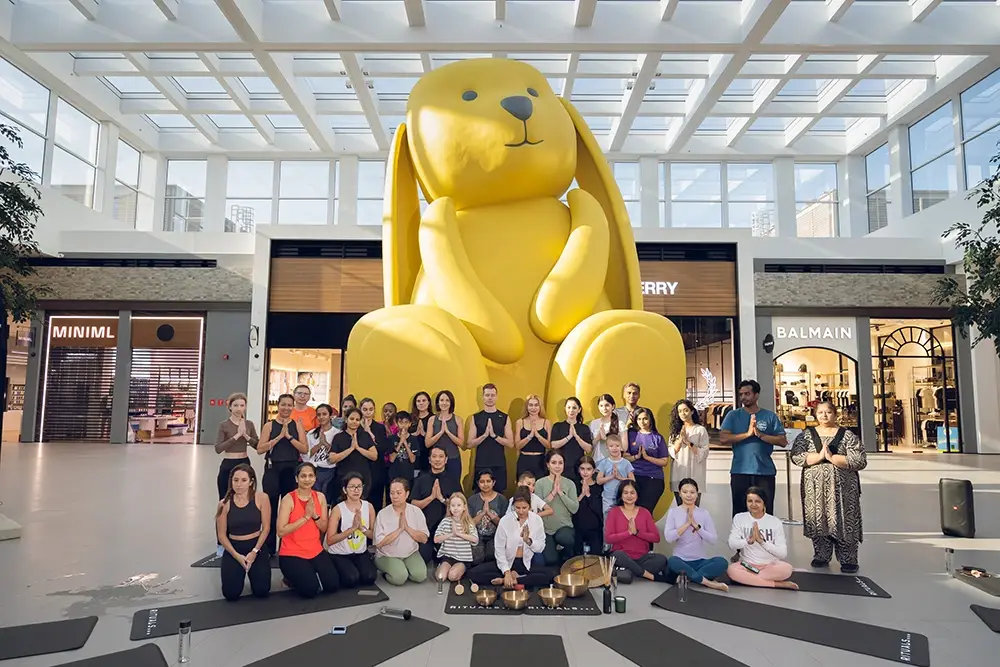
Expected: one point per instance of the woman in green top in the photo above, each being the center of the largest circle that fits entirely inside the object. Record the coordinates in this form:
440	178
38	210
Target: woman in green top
560	494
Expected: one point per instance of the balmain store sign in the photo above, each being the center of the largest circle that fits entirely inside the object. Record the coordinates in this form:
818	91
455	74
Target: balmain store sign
833	333
83	331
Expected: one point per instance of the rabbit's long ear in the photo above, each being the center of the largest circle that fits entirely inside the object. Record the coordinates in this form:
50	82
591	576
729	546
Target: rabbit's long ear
400	223
594	175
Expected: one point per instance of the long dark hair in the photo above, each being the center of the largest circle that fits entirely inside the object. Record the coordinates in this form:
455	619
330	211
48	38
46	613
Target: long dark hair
329	411
652	419
436	408
413	404
251	492
614	430
579	406
621	487
676	423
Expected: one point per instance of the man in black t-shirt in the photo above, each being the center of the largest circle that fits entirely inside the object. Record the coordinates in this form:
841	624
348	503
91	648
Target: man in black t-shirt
491	435
430	495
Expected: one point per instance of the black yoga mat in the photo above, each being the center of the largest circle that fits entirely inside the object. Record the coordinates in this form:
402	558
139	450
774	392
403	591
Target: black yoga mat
211	560
466	604
163	621
896	645
585	605
837	584
990	584
366	643
147	655
21	641
650	652
522	651
988	615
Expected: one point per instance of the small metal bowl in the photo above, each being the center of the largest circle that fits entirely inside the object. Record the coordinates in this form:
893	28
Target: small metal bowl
486	597
516	599
574	585
552	597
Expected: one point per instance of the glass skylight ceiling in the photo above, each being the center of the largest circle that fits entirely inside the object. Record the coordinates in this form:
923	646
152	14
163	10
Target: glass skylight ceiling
680	98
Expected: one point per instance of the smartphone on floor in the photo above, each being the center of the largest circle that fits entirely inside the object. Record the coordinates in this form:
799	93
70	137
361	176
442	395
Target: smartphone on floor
339	630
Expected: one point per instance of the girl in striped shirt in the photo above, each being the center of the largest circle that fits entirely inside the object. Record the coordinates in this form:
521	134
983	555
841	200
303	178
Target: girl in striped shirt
455	536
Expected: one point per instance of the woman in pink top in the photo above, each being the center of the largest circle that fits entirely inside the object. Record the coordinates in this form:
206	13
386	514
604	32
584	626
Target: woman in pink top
631	532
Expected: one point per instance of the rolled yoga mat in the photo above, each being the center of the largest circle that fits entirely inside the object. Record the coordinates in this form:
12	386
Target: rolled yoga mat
211	614
834	584
657	640
366	643
896	645
988	615
147	655
21	641
519	651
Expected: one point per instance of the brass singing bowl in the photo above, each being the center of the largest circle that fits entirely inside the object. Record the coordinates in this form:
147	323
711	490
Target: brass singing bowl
552	597
573	585
486	597
516	599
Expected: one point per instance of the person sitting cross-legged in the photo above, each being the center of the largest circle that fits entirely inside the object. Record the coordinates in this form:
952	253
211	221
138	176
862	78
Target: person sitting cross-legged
631	532
400	529
690	529
518	543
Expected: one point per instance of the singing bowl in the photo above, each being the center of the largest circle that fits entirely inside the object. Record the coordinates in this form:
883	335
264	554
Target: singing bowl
591	568
573	585
486	597
552	597
516	599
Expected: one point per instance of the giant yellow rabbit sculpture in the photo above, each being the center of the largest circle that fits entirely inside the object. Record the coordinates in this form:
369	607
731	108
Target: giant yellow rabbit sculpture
498	280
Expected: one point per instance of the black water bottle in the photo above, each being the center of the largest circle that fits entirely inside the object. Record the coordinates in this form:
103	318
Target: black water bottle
606	606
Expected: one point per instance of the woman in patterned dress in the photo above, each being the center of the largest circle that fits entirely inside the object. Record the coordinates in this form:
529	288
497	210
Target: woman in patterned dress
831	457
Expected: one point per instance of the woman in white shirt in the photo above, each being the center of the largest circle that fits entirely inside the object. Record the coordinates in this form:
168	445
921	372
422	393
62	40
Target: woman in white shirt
688	446
318	441
518	545
400	529
351	525
760	539
605	425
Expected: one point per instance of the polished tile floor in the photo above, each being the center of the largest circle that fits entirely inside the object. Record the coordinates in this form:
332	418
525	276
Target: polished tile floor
109	530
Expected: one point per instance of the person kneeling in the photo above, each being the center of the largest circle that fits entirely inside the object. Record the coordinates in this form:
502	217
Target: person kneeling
351	526
302	520
760	539
456	535
690	528
242	523
400	529
518	545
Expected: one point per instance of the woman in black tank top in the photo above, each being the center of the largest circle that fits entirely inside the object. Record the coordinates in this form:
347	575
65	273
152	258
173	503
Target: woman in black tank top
282	445
242	524
532	438
572	438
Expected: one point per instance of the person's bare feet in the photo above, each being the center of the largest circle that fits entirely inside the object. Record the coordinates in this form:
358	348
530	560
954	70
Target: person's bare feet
498	581
715	585
791	585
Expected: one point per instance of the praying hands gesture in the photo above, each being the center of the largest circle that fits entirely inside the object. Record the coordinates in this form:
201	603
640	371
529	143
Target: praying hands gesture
755	536
526	534
311	508
489	428
615	474
632	529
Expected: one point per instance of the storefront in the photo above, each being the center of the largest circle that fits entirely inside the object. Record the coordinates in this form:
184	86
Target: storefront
319	290
18	340
87	356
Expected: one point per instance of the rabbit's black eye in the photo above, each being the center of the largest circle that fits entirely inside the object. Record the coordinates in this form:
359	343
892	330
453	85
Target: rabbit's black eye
469	95
532	92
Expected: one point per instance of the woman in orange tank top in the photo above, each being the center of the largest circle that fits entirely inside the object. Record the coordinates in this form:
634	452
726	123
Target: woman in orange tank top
302	519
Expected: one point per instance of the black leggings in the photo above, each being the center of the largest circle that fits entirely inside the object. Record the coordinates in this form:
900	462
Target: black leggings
738	485
233	574
650	490
304	575
226	469
279	479
538	575
354	569
533	462
593	538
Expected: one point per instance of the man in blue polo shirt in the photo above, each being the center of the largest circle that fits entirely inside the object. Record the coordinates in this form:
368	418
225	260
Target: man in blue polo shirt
753	433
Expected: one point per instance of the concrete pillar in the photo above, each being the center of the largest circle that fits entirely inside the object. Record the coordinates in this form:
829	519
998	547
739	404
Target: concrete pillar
853	187
34	377
784	192
900	184
215	194
123	376
649	192
347	191
866	387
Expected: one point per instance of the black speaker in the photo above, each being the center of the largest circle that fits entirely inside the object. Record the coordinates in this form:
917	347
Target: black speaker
958	514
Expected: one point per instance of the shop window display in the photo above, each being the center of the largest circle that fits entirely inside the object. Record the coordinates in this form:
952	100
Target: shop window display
806	376
916	393
321	370
710	378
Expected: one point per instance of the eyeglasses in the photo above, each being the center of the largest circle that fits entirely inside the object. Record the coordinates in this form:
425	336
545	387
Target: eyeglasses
355	487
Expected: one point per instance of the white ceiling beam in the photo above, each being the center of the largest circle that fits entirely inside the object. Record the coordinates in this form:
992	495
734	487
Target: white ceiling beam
425	62
667	9
368	100
763	97
923	8
415	14
240	96
837	8
583	11
333	9
572	64
168	7
500	10
828	98
646	66
178	98
86	7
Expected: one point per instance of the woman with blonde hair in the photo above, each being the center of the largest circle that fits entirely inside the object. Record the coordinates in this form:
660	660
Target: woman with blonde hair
455	535
532	438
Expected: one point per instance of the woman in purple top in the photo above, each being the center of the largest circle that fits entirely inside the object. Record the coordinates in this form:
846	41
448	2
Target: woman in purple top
648	452
690	528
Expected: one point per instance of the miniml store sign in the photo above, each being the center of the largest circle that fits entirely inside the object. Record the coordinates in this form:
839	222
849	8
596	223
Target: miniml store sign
83	331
